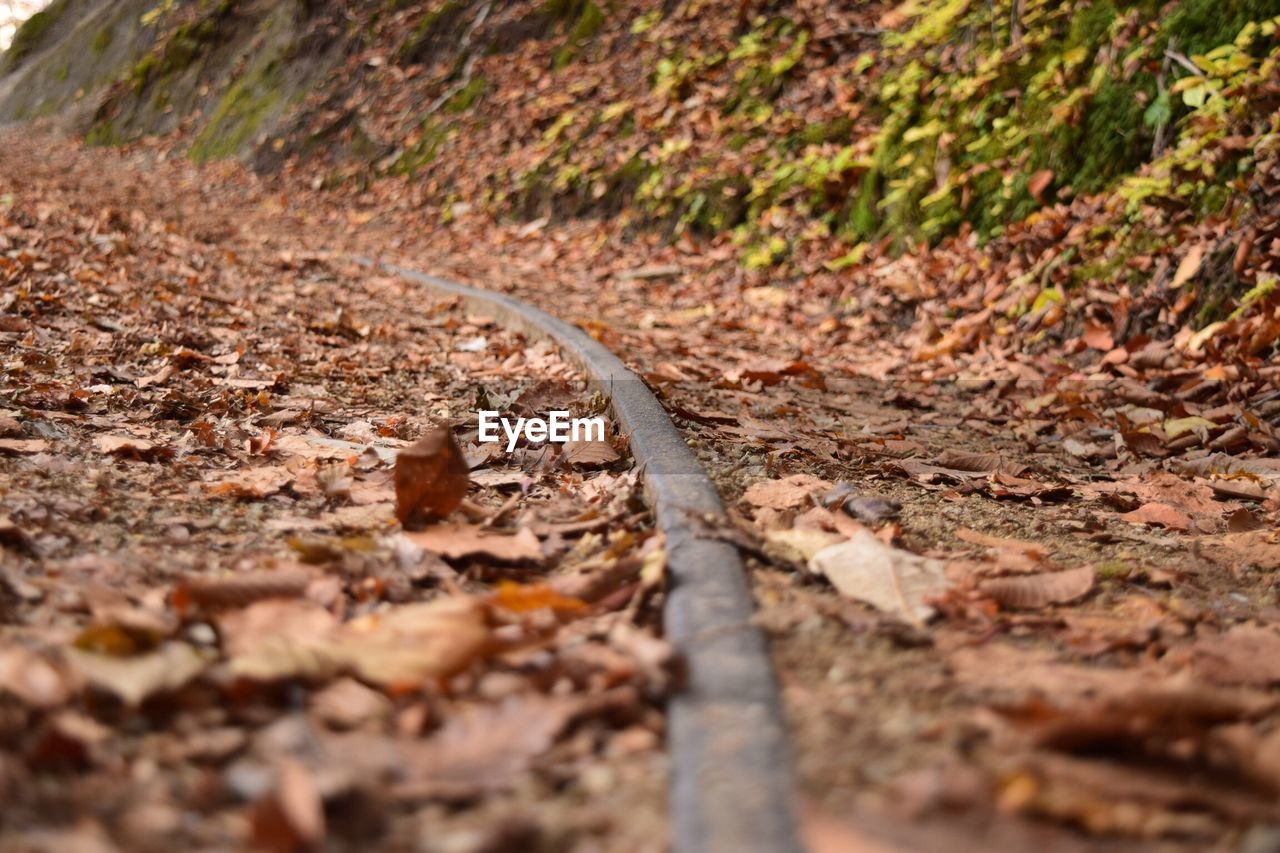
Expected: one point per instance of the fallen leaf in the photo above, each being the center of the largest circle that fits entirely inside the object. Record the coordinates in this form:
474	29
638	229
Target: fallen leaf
525	598
241	589
1098	336
252	483
486	748
459	539
291	817
404	647
278	639
431	477
33	678
1188	266
128	447
799	545
1245	654
347	704
888	578
22	446
787	493
1160	515
134	679
1038	183
587	454
1034	591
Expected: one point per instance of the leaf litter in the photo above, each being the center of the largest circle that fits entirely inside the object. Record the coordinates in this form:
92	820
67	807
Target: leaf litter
240	532
821	381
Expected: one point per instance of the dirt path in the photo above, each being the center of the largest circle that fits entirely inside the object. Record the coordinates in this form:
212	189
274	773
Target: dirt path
1082	656
214	633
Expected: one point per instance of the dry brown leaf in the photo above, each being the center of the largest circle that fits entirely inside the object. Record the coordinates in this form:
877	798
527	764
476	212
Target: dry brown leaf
587	454
1034	591
431	477
291	817
135	678
252	483
787	493
129	447
1038	183
278	639
1033	550
485	748
889	579
22	446
458	539
1246	654
799	545
33	678
404	647
347	704
1160	515
241	589
1188	266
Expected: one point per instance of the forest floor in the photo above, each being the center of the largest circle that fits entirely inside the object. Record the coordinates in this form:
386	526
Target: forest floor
1007	612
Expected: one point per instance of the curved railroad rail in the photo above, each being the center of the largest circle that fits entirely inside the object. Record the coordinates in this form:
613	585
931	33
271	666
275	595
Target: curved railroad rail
730	784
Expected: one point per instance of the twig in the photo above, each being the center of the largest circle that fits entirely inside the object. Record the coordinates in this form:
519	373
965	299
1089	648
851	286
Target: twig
1182	60
467	64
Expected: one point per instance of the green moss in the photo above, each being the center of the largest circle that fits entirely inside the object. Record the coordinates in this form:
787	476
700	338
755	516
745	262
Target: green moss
588	23
180	50
432	24
239	114
103	133
28	37
101	40
587	19
836	130
424	151
466	98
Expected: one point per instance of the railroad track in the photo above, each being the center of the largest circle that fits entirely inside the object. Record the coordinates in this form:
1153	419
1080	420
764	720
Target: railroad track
730	785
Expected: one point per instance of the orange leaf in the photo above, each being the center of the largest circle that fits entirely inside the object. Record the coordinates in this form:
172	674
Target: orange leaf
1033	591
523	598
431	477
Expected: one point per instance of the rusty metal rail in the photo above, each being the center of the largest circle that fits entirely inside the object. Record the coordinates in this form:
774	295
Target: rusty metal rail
730	785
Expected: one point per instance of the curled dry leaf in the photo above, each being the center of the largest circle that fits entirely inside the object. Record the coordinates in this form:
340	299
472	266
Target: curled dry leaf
889	579
431	477
1033	591
128	447
240	590
134	679
455	540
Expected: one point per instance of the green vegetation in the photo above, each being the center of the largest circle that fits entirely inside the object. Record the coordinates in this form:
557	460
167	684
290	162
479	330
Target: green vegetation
184	46
433	23
28	37
102	40
432	137
467	96
587	18
242	110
